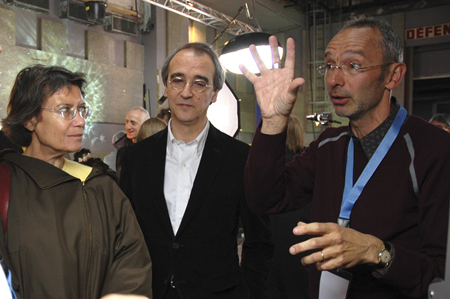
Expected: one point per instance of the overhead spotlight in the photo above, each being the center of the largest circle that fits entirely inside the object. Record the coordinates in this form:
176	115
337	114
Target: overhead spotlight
95	11
190	4
236	52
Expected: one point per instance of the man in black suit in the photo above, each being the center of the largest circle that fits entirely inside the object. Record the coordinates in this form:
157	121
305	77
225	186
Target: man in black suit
186	184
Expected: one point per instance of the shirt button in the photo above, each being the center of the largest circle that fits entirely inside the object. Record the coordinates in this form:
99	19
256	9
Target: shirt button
184	164
182	190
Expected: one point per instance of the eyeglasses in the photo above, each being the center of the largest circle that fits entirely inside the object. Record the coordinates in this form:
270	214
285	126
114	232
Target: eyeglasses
197	85
347	68
70	113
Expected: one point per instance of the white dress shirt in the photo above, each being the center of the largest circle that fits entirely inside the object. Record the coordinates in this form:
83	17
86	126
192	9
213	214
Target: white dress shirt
182	161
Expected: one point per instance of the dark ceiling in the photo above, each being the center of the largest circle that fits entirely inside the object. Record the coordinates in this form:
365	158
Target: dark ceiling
281	15
370	7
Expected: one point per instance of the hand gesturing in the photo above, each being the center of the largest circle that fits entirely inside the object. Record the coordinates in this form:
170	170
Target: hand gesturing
276	89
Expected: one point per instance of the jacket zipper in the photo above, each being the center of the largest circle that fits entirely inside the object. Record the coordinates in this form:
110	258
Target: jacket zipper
90	228
90	242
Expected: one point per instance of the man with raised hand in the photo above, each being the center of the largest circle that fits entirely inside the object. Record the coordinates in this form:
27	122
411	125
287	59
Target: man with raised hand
379	192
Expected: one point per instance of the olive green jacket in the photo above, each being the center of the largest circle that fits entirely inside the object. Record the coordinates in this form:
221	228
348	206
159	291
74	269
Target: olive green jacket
66	239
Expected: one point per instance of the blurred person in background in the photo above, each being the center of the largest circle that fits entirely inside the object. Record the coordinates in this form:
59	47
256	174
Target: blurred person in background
288	278
150	127
133	121
118	140
165	115
442	121
82	155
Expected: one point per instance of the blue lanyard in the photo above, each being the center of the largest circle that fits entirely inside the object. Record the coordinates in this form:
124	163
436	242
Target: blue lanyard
352	193
9	279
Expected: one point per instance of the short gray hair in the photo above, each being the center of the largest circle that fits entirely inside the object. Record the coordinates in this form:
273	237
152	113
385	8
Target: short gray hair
142	110
199	49
391	44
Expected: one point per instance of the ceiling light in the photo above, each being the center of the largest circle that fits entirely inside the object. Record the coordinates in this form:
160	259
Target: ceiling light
189	5
236	52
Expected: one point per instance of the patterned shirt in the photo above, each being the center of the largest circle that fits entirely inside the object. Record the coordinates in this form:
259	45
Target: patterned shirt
371	141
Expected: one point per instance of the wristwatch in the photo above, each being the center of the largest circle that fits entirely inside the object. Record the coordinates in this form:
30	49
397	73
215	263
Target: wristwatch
384	256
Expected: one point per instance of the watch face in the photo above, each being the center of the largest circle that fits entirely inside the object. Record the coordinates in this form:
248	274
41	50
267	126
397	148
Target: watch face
385	257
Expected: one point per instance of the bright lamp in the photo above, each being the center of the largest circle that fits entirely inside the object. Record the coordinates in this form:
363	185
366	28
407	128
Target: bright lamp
236	52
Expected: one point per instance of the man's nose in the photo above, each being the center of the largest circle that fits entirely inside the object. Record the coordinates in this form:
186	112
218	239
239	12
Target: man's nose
187	90
335	77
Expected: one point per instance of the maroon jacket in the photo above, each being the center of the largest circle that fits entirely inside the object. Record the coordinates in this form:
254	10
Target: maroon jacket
406	202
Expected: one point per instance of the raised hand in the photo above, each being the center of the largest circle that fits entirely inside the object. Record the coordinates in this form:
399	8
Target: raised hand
276	89
339	247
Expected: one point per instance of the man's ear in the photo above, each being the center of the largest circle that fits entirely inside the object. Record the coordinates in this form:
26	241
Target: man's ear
396	76
31	124
214	97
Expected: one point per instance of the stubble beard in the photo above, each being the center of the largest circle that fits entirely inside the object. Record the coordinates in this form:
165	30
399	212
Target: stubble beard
364	106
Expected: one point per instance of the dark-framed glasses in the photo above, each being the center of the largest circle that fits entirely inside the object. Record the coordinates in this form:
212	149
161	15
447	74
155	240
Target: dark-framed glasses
70	112
198	85
347	68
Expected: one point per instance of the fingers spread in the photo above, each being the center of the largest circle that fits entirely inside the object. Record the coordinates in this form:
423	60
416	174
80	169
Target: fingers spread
249	75
290	54
259	63
274	46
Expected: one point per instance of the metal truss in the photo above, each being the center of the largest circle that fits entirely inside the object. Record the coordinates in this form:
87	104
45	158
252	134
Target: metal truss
205	15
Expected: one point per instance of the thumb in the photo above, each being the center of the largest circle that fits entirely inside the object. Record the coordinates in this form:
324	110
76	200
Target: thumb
295	85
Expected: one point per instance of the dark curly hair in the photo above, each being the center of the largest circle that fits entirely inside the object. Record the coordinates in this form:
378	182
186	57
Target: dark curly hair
33	85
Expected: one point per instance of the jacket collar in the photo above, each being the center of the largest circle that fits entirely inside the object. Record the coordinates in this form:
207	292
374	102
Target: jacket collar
44	174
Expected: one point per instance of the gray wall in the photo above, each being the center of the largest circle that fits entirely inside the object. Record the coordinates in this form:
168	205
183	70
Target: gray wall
113	64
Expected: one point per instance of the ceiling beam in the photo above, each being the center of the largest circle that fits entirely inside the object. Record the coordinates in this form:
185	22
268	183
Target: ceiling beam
205	15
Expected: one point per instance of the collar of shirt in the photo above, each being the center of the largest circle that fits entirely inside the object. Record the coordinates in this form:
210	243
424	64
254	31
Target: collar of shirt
200	139
371	141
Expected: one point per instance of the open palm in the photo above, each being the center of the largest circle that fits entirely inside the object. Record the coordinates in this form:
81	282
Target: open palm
276	89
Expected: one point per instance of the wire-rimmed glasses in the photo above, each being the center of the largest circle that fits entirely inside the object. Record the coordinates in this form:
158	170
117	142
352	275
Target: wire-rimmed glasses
347	68
69	113
198	85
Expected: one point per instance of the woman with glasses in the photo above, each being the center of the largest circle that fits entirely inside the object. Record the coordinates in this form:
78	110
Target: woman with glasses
67	230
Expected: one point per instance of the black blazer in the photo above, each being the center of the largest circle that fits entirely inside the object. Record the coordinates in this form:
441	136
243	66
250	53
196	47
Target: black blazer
201	259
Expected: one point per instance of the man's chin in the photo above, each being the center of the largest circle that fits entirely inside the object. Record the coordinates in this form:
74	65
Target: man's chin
339	110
